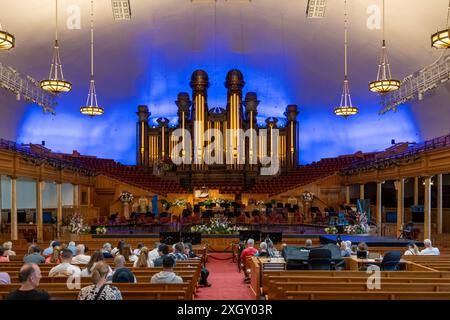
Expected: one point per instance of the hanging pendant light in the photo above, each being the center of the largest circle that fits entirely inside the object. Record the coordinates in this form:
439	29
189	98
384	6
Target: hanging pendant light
55	82
346	107
384	82
7	40
440	39
92	108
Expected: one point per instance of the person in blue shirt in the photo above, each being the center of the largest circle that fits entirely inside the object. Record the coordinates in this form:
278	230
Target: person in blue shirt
72	248
49	250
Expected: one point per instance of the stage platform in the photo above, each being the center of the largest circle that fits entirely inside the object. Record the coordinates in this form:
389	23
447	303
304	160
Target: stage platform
371	241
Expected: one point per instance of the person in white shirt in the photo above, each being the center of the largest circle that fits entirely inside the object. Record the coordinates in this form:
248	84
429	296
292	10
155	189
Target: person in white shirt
8	249
429	250
154	254
65	269
412	250
81	258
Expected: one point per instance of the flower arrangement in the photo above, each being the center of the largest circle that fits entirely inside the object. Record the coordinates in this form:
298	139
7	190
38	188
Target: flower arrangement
217	226
331	230
361	226
101	230
307	196
76	225
126	197
179	203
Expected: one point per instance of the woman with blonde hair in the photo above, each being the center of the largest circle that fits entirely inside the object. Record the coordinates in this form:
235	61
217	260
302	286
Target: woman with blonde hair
55	257
100	289
144	260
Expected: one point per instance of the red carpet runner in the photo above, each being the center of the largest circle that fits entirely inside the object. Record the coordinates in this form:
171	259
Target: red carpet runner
226	282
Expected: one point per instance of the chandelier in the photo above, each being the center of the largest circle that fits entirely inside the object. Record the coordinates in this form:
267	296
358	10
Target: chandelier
384	82
346	107
440	39
55	82
7	40
92	108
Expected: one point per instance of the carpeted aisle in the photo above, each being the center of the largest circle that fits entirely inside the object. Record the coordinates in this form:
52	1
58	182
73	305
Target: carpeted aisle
226	282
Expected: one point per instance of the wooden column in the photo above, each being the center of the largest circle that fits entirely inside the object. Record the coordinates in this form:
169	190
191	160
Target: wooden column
379	206
427	205
416	191
59	215
39	211
89	196
361	191
439	203
76	195
400	204
14	231
347	194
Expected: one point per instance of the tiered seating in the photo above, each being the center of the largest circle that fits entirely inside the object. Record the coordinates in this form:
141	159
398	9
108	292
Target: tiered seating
303	175
130	174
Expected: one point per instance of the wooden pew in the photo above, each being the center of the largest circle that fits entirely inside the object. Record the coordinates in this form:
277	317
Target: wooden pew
123	287
366	295
279	289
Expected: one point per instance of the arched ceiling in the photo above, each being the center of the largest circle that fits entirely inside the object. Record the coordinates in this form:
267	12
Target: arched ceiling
285	58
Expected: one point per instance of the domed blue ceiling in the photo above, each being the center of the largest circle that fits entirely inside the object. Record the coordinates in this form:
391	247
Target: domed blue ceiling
284	57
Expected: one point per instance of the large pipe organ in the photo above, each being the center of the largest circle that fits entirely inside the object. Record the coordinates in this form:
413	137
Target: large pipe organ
242	143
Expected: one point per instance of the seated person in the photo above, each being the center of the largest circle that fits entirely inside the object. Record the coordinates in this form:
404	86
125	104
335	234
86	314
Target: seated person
362	251
121	274
167	275
204	272
96	258
29	277
81	258
308	244
7	246
5	278
263	250
143	260
106	250
72	247
34	255
100	289
2	257
412	250
354	249
48	251
248	252
178	252
55	257
429	249
65	268
163	250
137	251
345	251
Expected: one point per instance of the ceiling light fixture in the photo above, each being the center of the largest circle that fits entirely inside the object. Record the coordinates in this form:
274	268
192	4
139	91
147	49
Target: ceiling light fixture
92	108
440	39
55	82
345	108
7	40
384	82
